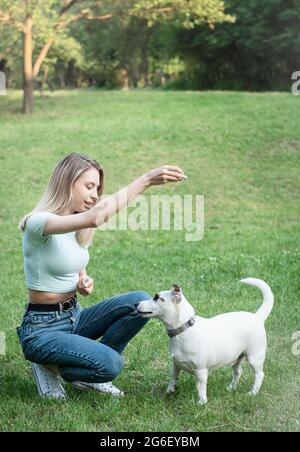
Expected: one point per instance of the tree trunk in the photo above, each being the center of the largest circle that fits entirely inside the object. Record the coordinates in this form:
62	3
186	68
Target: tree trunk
44	80
62	83
125	79
145	68
28	80
144	51
147	35
133	74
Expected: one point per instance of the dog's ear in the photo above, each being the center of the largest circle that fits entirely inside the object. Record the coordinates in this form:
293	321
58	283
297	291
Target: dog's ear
176	291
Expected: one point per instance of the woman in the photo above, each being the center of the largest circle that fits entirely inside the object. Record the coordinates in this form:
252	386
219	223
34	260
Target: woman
56	334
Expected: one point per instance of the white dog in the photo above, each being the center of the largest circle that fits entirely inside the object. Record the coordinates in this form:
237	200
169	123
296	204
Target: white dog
198	344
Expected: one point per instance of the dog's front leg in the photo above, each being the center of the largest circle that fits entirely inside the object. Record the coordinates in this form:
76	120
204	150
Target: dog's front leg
174	373
201	376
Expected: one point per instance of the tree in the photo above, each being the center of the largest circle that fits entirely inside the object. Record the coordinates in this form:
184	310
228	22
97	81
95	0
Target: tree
11	56
44	20
259	51
117	52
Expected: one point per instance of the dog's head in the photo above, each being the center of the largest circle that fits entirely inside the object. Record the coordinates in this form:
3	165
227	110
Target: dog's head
163	305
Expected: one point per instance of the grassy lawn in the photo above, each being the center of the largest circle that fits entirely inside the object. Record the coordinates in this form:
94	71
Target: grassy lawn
242	152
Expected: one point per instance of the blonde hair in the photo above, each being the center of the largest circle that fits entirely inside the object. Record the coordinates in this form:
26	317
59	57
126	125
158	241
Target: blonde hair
58	194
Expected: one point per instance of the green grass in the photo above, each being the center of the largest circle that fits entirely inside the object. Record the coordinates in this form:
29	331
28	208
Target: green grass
241	151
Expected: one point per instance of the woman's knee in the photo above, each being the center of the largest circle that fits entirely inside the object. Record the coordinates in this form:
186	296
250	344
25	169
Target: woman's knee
112	367
138	296
145	295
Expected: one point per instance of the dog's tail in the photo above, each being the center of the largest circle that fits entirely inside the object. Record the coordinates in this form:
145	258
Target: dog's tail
266	308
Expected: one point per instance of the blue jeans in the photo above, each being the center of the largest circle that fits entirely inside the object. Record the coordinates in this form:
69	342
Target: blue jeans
69	340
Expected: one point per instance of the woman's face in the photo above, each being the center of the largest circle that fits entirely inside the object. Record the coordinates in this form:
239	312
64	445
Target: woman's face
85	193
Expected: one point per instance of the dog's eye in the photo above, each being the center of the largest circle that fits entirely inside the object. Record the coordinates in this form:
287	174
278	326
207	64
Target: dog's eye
162	299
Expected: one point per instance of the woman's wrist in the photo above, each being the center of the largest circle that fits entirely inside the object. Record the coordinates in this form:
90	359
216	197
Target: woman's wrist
144	181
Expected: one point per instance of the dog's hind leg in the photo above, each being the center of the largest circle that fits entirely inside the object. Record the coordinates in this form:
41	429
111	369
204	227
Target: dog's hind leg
237	372
257	363
174	373
202	376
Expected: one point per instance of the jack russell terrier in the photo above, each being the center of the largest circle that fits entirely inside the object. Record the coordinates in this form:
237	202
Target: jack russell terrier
198	344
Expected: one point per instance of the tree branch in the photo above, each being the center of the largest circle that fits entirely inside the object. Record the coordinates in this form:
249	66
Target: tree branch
7	18
84	14
4	17
168	9
67	6
41	57
43	53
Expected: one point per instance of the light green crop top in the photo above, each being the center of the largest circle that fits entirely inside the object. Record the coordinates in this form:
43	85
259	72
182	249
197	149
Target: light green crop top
52	262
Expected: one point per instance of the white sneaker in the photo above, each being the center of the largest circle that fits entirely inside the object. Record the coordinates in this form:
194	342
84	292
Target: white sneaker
48	384
101	387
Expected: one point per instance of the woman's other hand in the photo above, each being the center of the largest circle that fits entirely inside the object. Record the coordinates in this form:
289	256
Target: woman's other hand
85	285
164	174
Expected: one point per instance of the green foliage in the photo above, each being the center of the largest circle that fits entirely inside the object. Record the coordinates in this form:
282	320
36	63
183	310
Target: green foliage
56	21
236	44
186	13
11	49
259	51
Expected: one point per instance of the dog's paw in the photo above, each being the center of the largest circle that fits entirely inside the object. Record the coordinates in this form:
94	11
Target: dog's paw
202	402
252	393
231	387
171	390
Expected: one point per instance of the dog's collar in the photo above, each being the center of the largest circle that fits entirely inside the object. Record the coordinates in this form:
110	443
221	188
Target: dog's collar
182	328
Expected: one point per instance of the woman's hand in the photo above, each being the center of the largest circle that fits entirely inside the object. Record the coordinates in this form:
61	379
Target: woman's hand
164	174
85	285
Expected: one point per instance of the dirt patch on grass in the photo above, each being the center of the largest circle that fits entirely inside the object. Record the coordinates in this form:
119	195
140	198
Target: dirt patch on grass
286	147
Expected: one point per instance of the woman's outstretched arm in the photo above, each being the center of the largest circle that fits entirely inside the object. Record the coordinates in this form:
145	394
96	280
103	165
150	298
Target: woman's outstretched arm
109	206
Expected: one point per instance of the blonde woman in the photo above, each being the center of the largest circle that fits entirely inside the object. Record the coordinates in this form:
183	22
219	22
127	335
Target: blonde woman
63	341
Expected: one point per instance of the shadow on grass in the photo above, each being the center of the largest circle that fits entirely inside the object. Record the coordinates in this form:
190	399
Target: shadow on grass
12	104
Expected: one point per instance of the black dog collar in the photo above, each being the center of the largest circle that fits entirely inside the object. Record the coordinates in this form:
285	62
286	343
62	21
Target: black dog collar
182	328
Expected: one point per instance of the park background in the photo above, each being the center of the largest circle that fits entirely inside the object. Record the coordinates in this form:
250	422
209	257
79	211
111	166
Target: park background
202	84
